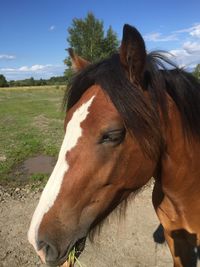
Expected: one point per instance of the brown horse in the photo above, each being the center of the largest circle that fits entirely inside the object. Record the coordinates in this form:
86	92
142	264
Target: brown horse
128	119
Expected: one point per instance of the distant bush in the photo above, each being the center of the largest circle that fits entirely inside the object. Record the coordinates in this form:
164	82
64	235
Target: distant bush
3	82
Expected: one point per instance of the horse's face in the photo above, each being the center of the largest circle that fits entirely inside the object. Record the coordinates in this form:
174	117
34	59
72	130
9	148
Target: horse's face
99	165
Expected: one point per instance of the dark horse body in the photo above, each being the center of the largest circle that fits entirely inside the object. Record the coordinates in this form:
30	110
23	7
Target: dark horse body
128	119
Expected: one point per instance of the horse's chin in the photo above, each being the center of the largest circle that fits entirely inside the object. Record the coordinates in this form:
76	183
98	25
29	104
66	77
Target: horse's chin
79	247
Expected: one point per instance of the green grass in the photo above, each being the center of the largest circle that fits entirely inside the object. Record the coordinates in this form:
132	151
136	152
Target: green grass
38	180
31	123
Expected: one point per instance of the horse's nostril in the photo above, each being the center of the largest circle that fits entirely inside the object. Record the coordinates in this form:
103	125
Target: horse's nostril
52	254
50	251
40	245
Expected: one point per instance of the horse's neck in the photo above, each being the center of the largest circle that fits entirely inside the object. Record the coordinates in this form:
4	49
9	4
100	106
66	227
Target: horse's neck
180	163
177	188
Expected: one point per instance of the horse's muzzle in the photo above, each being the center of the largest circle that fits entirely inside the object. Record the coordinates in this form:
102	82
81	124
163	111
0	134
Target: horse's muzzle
55	257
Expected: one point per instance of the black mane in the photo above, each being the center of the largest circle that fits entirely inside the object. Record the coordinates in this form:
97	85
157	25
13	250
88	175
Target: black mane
139	114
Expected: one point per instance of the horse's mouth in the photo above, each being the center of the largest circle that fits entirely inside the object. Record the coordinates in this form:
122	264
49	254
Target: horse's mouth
78	248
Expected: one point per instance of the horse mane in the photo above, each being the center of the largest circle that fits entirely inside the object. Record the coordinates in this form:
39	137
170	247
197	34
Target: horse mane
141	116
182	87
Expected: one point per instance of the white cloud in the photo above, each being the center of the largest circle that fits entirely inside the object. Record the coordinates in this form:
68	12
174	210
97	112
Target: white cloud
34	68
158	37
188	52
196	31
52	28
37	71
5	56
193	31
188	55
192	47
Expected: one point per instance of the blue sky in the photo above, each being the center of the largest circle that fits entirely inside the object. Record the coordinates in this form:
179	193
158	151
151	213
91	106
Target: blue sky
33	32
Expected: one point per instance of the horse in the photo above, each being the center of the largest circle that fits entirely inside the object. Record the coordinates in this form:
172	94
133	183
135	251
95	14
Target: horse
130	117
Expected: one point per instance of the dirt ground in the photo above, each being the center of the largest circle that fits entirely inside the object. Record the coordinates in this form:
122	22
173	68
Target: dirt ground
122	243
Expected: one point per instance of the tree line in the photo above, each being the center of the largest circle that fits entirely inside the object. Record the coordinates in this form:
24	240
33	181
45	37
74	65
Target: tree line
58	80
89	40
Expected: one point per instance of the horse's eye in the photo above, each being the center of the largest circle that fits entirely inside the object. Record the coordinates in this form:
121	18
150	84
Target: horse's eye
114	137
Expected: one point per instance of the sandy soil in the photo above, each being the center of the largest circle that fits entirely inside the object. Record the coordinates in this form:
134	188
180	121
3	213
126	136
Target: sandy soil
122	243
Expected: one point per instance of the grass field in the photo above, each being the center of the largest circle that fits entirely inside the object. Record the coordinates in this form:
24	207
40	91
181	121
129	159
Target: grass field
31	123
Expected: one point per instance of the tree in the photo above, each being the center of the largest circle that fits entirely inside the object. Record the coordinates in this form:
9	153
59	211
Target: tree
87	38
3	82
111	43
196	72
30	82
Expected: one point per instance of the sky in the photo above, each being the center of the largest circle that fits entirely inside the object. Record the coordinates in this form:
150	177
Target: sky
33	33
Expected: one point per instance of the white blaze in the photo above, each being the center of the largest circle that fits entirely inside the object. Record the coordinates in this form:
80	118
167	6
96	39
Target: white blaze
52	188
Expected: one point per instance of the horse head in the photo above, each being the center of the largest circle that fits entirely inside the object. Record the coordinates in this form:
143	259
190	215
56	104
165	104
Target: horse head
110	149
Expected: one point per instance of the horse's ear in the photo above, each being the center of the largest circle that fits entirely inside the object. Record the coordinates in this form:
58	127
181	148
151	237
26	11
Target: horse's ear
78	63
133	53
